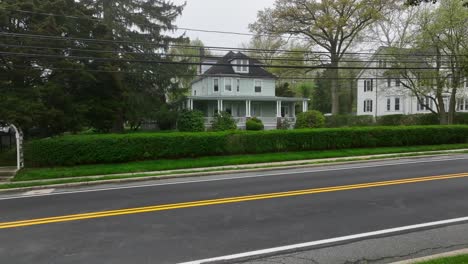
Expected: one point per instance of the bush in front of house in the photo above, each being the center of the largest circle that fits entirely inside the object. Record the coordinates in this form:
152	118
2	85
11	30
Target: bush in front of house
254	124
223	122
190	121
284	124
115	148
310	119
461	118
349	121
408	120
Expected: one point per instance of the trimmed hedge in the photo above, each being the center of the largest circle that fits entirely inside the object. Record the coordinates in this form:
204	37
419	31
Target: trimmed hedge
349	121
408	120
111	148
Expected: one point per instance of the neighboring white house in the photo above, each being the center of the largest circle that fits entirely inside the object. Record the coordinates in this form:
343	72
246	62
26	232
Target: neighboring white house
379	95
241	86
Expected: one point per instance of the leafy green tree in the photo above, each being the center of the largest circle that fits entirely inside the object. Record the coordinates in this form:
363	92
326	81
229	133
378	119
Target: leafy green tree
57	94
442	38
329	24
284	90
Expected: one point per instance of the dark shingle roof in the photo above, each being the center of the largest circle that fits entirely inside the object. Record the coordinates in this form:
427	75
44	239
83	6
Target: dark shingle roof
223	69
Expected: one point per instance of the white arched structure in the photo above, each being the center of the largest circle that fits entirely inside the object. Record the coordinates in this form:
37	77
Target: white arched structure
19	147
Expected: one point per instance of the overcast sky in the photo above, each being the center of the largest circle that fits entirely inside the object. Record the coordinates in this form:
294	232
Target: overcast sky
221	15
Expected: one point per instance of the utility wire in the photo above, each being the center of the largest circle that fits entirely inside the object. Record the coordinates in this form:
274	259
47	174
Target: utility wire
161	46
202	75
65	49
34	55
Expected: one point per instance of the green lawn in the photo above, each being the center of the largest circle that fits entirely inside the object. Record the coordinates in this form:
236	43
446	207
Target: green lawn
159	165
463	259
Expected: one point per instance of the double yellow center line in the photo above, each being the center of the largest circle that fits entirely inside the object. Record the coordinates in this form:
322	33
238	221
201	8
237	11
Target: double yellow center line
139	210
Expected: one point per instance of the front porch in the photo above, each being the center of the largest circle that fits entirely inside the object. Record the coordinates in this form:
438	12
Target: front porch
268	109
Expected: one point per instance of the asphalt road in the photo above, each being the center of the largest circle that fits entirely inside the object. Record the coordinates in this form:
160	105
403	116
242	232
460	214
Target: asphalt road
221	227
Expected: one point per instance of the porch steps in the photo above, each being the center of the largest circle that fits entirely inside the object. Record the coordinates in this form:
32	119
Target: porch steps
6	173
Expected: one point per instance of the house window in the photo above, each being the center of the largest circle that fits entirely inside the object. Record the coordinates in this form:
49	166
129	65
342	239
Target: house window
397	104
258	86
389	82
242	66
425	104
238	85
195	92
460	105
216	85
397	82
368	85
228	84
368	106
389	104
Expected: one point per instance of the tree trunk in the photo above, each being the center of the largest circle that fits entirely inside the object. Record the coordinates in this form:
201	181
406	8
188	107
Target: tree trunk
335	97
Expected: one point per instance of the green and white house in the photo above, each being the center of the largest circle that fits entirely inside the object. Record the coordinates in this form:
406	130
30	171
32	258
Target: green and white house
242	87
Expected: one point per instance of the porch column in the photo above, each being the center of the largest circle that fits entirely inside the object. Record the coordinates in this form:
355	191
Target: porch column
190	104
278	109
305	106
221	106
218	107
247	109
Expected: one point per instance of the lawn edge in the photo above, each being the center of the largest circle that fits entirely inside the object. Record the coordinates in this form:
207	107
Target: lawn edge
209	171
434	257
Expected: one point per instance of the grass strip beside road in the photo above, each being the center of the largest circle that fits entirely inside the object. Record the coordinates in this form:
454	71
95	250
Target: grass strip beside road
31	174
462	259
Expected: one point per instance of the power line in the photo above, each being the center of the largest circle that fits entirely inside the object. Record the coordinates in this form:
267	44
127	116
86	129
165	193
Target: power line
202	75
34	55
65	49
161	46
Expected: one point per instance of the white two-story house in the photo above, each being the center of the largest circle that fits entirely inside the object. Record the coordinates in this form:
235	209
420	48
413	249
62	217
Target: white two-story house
382	94
242	87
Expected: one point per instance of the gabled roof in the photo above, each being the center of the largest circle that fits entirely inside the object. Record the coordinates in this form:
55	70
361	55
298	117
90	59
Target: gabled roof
223	67
411	57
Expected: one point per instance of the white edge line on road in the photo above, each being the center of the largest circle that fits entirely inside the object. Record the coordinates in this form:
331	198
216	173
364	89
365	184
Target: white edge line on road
232	178
278	250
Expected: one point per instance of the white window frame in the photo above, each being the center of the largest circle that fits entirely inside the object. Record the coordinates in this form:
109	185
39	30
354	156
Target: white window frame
423	108
238	84
226	80
397	99
215	83
255	86
389	104
368	106
368	85
242	66
397	82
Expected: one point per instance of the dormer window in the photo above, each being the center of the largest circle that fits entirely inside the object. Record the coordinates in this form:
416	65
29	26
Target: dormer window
241	66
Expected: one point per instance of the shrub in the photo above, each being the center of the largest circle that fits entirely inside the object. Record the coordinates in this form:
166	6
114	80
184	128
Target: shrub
408	120
112	148
254	124
461	118
190	121
284	124
310	119
349	120
223	122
